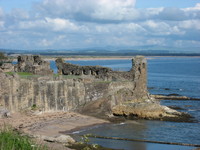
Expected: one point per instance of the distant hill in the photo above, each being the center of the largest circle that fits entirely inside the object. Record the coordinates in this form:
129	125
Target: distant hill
112	51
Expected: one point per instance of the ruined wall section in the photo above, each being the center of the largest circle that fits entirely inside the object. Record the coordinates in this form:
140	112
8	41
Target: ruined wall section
33	64
99	72
71	69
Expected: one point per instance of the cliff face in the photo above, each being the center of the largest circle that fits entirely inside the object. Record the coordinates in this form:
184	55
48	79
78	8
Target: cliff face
50	93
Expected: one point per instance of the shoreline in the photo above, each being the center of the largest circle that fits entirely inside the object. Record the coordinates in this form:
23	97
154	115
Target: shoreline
113	58
50	123
45	128
88	58
54	124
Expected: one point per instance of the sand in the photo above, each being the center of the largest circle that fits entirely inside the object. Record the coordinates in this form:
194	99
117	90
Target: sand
50	124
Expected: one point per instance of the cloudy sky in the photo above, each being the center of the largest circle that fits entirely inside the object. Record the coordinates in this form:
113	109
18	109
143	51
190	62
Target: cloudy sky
66	24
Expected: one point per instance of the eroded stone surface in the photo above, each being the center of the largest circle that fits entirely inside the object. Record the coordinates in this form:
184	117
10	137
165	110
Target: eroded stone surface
50	93
4	113
98	90
7	67
65	139
136	74
150	111
33	64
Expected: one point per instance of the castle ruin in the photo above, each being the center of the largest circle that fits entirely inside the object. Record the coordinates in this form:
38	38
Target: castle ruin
62	93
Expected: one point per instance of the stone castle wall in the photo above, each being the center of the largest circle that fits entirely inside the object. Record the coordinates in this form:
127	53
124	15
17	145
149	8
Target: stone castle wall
62	93
105	73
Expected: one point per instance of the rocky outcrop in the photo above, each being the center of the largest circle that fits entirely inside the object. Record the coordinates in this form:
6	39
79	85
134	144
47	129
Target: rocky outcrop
98	91
150	110
64	139
173	97
33	64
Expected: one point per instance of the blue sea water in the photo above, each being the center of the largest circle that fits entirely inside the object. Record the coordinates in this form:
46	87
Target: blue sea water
166	75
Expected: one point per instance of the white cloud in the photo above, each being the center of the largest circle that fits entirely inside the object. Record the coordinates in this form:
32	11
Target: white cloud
190	24
159	28
59	24
86	23
113	10
196	7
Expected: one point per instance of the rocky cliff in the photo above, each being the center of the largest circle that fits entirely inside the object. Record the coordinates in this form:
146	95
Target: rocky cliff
98	93
50	93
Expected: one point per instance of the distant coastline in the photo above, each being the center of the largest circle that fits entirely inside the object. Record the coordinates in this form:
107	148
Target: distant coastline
89	58
106	58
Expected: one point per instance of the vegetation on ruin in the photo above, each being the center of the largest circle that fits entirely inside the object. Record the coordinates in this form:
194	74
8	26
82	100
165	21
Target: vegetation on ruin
22	74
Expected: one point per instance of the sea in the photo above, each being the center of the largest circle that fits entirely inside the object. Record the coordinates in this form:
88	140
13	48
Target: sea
166	76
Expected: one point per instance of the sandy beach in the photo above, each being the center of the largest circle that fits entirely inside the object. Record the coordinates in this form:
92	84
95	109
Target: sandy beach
109	58
50	124
88	58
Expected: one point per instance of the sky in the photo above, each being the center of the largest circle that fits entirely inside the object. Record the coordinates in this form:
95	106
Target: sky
68	24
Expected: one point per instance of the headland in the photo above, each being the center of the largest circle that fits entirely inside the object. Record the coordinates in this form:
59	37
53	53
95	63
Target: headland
56	101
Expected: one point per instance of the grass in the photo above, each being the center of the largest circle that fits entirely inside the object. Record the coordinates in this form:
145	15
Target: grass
23	74
28	75
13	140
20	73
9	73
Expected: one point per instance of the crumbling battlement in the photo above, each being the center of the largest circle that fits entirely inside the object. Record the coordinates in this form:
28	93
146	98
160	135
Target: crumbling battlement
33	64
105	73
71	69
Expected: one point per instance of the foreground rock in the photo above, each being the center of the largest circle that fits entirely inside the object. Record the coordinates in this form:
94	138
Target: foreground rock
65	139
150	111
4	113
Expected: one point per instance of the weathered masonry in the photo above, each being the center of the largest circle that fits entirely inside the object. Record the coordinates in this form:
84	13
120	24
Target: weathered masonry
33	64
93	83
104	73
